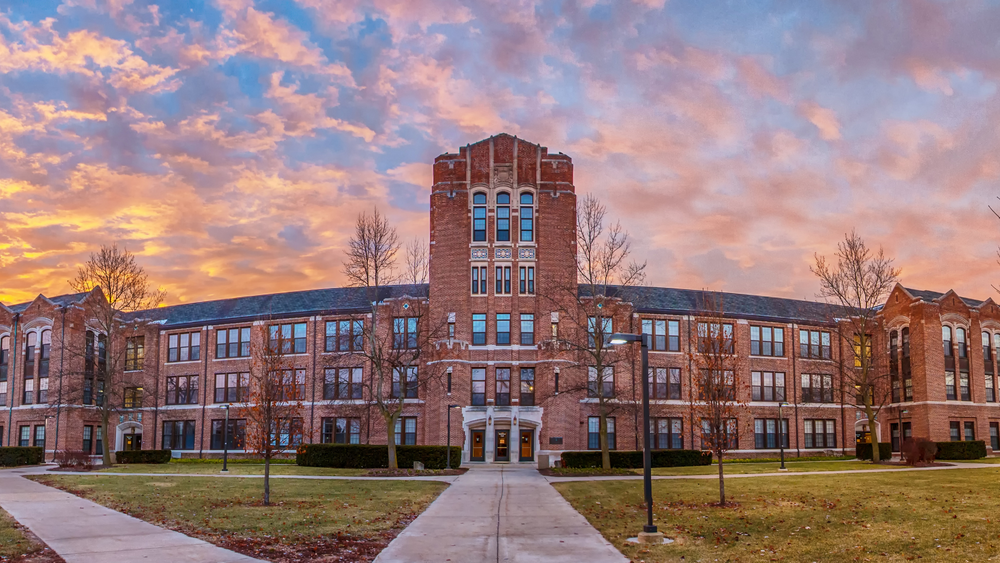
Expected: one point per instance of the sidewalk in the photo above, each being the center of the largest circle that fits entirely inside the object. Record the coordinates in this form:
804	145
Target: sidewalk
502	514
81	531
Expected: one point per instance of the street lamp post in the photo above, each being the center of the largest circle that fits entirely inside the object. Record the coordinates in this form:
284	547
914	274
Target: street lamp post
225	441
781	436
449	433
649	533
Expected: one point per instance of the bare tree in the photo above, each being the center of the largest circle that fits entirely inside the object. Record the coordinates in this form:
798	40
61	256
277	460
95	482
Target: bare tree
416	262
857	286
717	375
106	380
399	332
589	305
273	405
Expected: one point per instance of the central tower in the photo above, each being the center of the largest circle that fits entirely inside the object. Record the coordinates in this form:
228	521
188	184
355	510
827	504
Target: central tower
503	234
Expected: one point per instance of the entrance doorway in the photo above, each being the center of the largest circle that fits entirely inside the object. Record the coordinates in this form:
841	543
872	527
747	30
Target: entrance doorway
133	442
527	445
478	451
502	446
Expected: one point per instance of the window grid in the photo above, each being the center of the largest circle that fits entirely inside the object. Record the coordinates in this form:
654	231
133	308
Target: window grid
289	338
182	347
817	388
594	432
503	387
527	280
765	433
664	334
666	433
404	333
767	341
527	329
407	385
232	342
135	353
479	280
665	383
820	433
341	431
503	329
814	344
342	383
182	390
232	387
768	386
527	377
603	386
478	387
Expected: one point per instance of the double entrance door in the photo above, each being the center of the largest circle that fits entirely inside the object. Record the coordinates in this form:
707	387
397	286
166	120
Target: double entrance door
132	442
502	445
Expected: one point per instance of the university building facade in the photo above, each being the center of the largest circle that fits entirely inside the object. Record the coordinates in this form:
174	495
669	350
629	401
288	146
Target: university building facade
503	281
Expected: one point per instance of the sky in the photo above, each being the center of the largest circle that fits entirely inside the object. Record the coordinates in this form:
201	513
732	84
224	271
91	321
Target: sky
230	144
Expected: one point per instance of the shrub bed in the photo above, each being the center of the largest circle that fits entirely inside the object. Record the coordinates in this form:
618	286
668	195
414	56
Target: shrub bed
961	450
633	459
143	456
15	455
361	456
864	451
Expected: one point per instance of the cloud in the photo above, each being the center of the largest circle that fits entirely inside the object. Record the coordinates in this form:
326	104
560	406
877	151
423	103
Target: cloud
823	118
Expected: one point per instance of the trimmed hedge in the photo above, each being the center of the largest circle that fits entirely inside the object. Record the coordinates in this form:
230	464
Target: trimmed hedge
633	459
15	455
864	451
961	450
362	456
143	456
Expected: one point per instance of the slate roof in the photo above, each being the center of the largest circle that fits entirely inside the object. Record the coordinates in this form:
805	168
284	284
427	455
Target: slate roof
277	305
61	300
932	295
667	300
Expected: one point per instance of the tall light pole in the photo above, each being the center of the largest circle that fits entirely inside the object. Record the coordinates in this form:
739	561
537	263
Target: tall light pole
781	436
225	441
649	533
449	433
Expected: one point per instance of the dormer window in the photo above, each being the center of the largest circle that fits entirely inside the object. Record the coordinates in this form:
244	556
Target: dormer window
527	216
479	217
503	217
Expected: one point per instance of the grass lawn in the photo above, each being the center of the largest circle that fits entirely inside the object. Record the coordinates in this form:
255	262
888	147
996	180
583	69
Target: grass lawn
307	520
767	467
234	469
15	545
935	515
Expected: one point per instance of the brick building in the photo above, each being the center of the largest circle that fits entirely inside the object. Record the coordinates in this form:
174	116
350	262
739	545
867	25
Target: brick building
503	280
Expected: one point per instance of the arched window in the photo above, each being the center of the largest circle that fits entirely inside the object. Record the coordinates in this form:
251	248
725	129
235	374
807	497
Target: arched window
987	347
31	342
946	340
904	335
43	364
527	217
4	356
960	338
479	217
503	217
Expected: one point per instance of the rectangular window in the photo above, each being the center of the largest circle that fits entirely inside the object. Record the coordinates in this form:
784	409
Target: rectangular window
820	433
478	329
182	390
527	387
25	437
603	386
478	387
715	337
601	329
951	390
665	383
767	341
232	342
404	333
527	218
88	439
503	280
133	397
867	357
479	280
527	329
995	436
970	431
766	433
503	218
341	430
503	387
666	433
135	352
503	329
594	432
817	388
729	433
768	386
29	392
479	221
178	435
289	338
721	384
39	436
234	439
232	387
99	440
991	396
289	433
293	385
184	347
963	386
408	385
342	383
344	335
3	393
406	431
43	390
814	344
956	431
527	280
663	334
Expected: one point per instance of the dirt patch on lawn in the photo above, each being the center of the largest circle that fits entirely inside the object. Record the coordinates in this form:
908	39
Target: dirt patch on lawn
414	472
586	472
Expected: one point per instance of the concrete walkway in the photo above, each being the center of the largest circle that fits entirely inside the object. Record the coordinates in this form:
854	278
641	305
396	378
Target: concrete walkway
81	531
502	514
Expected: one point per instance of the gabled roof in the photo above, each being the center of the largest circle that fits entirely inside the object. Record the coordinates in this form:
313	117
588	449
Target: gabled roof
61	300
689	301
934	295
278	305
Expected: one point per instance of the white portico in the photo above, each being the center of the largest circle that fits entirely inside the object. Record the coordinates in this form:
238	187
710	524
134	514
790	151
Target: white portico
500	434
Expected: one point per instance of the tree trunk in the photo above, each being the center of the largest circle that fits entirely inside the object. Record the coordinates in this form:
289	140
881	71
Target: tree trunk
871	430
722	482
106	454
267	479
605	451
390	425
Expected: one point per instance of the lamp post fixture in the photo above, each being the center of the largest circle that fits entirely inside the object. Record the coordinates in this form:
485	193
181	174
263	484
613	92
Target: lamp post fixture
781	436
449	433
225	441
649	533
